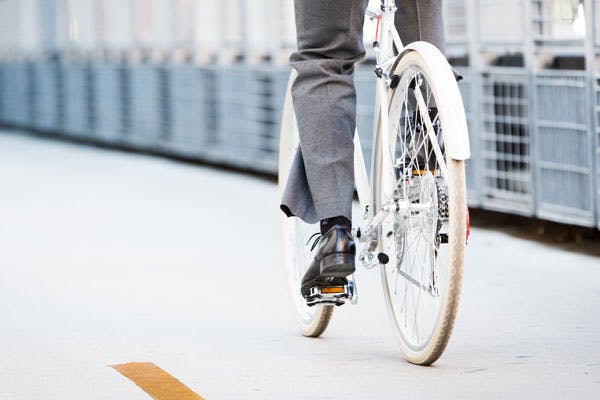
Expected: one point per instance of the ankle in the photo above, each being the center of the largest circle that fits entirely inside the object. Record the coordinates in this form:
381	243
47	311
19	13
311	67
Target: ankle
328	223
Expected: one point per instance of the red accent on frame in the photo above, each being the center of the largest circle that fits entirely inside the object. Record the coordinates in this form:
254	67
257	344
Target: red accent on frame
377	29
468	224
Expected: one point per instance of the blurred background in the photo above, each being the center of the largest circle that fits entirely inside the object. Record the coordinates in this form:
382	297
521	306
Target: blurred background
205	80
111	257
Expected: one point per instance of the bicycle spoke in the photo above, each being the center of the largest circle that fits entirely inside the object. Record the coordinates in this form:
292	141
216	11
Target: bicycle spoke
423	110
418	294
417	161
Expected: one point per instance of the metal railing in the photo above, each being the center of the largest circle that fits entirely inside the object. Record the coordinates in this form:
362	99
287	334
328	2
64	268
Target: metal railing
206	80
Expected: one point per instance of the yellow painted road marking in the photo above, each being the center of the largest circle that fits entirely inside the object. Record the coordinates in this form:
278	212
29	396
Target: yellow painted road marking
159	384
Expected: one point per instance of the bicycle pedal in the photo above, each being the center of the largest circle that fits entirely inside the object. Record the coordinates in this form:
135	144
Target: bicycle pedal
333	295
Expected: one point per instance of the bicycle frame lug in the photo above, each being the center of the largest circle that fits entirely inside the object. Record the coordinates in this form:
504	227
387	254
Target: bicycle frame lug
374	11
371	259
367	260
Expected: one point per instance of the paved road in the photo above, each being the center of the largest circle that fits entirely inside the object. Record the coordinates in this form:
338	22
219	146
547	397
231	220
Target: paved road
111	258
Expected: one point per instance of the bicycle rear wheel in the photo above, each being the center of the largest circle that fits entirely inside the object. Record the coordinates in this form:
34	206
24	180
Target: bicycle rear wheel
426	240
312	321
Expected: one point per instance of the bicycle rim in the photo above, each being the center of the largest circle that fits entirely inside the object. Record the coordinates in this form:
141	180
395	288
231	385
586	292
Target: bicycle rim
426	244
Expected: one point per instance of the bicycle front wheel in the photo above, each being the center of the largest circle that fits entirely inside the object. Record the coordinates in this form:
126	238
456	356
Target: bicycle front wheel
312	321
425	238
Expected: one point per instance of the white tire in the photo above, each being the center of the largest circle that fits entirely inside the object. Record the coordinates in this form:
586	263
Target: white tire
422	281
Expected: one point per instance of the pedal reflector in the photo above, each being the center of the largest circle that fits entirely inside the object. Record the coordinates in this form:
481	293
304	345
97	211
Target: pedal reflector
332	289
417	172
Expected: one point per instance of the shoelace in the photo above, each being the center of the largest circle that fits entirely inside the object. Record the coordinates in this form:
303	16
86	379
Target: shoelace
316	241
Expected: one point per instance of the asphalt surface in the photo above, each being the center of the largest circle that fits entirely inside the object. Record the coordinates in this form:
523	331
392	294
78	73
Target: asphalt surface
108	258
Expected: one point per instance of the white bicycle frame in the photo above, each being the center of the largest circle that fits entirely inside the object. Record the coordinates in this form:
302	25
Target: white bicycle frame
385	58
457	149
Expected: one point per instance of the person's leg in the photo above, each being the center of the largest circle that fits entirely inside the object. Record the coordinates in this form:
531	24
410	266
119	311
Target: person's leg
321	182
421	20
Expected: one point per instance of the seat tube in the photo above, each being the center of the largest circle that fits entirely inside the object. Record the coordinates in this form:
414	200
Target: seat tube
388	32
388	27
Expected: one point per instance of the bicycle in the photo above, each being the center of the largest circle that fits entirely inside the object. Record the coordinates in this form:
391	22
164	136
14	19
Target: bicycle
414	203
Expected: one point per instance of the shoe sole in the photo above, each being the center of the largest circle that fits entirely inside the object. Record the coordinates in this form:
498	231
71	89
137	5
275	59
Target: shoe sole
338	265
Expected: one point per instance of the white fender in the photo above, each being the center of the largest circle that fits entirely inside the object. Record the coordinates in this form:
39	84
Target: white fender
452	109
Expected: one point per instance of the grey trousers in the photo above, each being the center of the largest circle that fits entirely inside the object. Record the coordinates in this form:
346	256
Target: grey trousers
329	34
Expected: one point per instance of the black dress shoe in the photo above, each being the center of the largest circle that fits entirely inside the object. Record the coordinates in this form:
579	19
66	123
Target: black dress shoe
333	261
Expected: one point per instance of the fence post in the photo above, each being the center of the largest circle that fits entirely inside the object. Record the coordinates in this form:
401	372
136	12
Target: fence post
473	40
590	66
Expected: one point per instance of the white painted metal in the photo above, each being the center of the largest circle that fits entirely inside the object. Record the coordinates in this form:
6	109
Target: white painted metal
361	178
155	25
208	22
29	28
82	25
184	24
117	21
260	28
230	21
164	24
20	33
502	23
